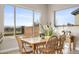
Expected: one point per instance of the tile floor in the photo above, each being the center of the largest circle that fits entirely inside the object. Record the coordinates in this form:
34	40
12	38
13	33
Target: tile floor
65	52
11	45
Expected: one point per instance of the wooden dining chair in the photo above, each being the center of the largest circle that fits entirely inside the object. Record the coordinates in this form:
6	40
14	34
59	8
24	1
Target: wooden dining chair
22	46
70	39
61	41
73	41
50	46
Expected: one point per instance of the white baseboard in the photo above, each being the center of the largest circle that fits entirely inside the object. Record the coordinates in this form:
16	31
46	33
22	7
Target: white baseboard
8	50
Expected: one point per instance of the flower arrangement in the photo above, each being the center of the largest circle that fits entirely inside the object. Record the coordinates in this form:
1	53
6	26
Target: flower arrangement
47	30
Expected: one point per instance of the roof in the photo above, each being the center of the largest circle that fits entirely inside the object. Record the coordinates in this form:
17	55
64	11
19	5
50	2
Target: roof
75	12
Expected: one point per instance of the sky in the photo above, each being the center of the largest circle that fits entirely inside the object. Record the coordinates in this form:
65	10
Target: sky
24	17
64	16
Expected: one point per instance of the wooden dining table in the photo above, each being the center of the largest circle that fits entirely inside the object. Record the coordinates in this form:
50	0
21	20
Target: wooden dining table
34	42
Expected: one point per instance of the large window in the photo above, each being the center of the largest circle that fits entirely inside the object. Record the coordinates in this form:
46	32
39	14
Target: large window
8	20
21	21
66	17
24	21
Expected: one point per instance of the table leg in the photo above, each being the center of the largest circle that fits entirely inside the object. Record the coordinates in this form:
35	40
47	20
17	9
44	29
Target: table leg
69	46
34	48
73	45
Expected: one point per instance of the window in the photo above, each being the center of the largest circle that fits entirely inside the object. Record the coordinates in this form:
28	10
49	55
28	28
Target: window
66	17
26	21
8	20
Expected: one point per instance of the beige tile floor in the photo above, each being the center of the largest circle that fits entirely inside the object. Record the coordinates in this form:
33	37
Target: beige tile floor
65	51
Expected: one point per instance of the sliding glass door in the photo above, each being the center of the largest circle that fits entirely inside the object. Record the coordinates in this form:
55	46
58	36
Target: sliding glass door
24	22
8	20
21	21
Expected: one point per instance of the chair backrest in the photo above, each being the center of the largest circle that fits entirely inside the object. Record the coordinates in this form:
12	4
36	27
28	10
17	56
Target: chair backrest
62	40
19	44
52	42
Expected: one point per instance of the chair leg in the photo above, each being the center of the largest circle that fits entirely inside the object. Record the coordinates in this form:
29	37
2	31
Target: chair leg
73	45
58	51
61	51
70	46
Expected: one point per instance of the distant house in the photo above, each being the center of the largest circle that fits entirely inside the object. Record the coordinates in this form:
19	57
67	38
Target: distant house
76	14
28	31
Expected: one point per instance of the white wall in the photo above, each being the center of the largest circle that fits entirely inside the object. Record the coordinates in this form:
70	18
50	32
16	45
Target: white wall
74	30
1	17
77	19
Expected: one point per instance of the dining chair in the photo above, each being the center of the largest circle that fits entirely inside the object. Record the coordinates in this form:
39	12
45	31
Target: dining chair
23	48
71	40
61	41
50	46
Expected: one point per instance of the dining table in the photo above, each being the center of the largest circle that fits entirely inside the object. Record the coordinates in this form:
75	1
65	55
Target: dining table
34	42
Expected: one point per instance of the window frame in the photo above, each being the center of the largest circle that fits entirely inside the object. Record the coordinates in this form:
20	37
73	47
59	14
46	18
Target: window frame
62	25
33	10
